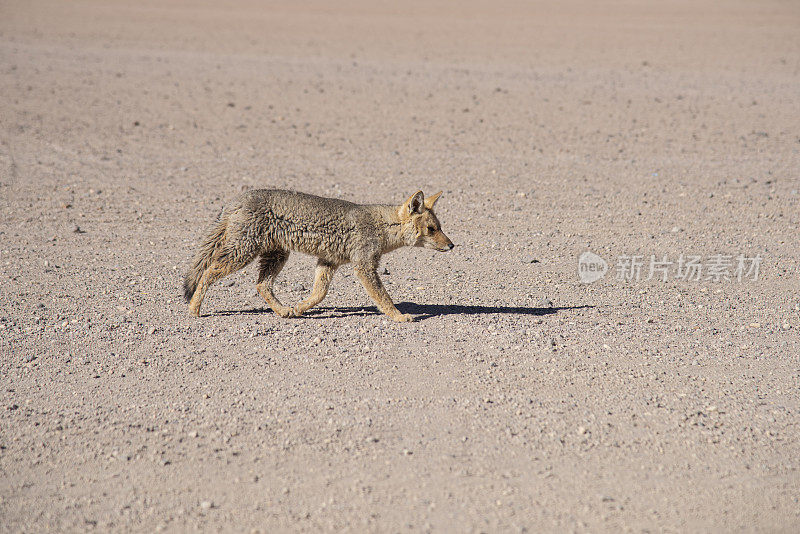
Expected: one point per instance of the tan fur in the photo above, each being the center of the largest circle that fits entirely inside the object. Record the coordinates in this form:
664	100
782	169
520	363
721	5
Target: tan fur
268	224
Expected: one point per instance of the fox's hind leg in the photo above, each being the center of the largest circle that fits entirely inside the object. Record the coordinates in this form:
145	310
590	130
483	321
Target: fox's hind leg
271	264
219	268
322	280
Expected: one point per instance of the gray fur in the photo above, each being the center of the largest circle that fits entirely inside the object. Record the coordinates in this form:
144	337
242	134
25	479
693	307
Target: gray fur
270	223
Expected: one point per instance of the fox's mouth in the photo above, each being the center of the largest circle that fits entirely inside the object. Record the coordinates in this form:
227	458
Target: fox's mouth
440	247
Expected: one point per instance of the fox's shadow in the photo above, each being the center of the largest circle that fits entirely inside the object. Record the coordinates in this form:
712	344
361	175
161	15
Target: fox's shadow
419	311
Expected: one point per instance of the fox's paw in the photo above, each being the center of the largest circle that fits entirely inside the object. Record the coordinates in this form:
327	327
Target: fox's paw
403	318
295	312
194	312
285	312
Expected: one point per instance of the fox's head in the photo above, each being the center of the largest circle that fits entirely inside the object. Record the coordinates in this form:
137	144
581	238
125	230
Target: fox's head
419	225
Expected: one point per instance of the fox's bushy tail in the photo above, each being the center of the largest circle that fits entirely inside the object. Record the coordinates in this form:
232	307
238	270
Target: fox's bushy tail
212	243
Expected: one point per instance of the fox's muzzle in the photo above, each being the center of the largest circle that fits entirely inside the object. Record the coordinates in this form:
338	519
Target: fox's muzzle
446	246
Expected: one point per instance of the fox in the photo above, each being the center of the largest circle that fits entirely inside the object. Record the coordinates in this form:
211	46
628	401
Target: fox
268	224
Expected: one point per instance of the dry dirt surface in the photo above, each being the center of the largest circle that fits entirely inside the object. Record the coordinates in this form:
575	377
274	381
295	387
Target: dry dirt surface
661	136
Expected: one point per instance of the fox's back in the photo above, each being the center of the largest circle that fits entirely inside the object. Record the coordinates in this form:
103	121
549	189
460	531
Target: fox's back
323	227
296	205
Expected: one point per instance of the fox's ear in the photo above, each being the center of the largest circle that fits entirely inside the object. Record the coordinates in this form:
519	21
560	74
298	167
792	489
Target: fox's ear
431	200
414	204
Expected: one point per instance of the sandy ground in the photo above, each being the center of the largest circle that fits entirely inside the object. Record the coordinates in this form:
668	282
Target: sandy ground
521	399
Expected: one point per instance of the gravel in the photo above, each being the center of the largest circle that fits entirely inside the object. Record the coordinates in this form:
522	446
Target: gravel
668	130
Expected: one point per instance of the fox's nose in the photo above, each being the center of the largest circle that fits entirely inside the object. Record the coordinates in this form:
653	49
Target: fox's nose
450	246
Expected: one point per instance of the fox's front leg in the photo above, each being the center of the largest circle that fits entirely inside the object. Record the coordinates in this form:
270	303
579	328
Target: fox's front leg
322	280
372	283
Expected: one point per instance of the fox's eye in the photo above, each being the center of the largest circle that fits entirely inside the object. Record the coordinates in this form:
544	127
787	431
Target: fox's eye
431	229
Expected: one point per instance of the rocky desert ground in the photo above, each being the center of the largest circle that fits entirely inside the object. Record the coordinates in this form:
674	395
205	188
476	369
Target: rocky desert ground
657	392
